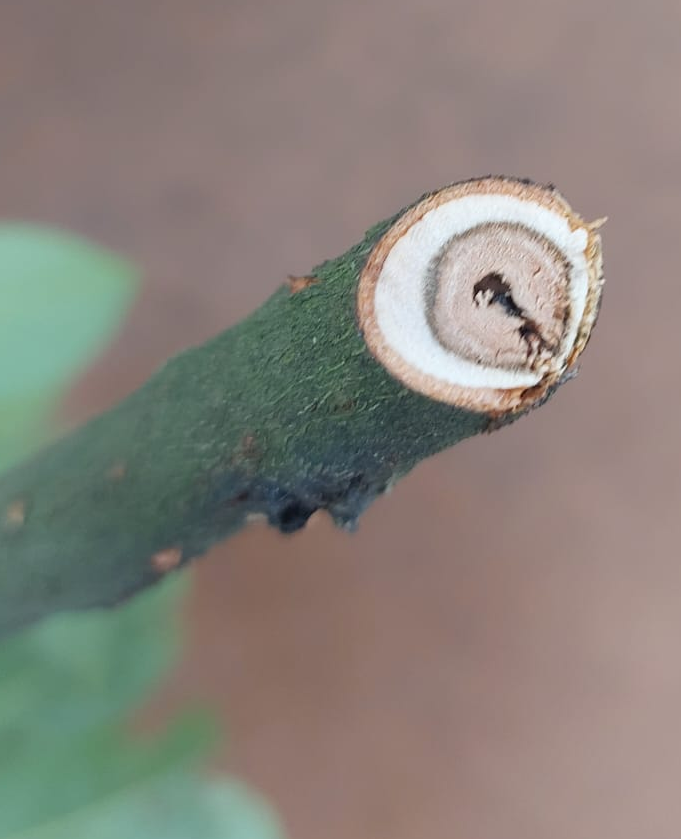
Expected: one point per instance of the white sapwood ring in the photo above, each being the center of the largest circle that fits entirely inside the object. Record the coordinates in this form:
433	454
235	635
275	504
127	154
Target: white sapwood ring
483	294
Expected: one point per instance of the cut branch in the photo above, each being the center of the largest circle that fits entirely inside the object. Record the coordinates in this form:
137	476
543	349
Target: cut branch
336	387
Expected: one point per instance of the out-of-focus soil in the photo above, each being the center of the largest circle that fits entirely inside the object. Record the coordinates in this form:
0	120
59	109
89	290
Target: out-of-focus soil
497	651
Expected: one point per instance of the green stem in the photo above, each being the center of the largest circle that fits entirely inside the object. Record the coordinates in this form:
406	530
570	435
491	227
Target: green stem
283	414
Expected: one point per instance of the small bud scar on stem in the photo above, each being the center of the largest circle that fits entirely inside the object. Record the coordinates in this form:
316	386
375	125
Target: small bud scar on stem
15	515
166	560
117	471
483	294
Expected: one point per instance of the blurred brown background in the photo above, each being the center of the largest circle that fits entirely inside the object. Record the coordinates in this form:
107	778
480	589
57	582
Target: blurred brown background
496	652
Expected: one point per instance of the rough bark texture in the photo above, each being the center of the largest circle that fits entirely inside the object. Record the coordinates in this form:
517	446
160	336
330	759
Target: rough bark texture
283	414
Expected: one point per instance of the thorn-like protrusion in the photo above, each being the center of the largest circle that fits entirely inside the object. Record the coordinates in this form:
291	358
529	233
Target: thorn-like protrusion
296	284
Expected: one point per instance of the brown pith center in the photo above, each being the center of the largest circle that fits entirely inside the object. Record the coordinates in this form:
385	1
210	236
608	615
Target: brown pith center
498	295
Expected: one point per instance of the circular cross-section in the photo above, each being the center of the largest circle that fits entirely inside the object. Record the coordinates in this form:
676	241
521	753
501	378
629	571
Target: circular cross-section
482	294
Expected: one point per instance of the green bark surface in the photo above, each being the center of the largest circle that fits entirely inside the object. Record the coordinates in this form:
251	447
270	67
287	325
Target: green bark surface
283	414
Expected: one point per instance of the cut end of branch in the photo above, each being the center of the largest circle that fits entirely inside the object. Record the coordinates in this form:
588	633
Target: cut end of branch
483	294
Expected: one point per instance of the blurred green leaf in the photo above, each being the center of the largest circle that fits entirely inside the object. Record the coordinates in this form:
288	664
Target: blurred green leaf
69	769
40	785
239	813
60	300
179	806
73	672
